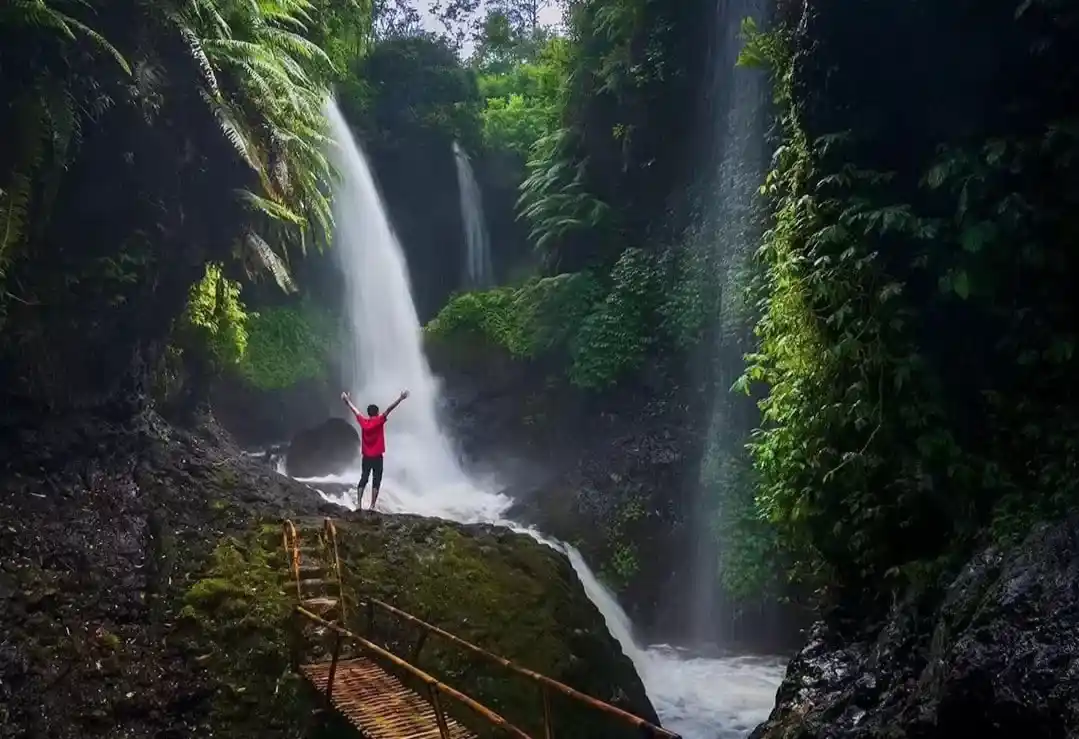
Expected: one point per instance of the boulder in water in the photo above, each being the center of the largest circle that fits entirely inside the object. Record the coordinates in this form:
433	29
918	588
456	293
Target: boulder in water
327	449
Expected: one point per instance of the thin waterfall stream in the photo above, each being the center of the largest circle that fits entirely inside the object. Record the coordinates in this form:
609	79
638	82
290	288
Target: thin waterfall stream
479	270
699	696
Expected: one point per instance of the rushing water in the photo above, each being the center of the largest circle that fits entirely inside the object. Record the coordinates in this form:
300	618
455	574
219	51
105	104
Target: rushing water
479	271
702	698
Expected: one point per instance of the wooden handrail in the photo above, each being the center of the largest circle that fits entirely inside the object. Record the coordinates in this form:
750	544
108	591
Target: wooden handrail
648	728
331	531
292	546
431	683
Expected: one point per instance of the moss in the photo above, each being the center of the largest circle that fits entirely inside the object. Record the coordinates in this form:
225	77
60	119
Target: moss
505	593
235	622
287	345
623	560
494	588
109	640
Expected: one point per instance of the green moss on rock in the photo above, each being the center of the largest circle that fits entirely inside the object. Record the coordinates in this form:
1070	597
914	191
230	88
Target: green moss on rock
500	590
506	593
235	622
287	345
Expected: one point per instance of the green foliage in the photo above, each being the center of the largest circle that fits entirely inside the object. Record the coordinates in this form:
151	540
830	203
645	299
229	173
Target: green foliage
623	562
875	462
414	92
751	557
253	66
528	321
603	334
262	50
289	344
601	330
554	197
523	104
616	334
215	321
691	300
46	116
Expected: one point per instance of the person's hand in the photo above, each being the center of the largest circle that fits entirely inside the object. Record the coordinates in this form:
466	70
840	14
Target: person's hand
404	394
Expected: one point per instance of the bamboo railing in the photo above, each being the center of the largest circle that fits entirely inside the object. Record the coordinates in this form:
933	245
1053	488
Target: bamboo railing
546	684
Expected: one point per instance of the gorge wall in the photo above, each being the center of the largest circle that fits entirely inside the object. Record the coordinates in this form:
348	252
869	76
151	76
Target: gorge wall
946	611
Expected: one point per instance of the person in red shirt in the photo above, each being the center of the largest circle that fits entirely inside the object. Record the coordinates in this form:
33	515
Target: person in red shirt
372	445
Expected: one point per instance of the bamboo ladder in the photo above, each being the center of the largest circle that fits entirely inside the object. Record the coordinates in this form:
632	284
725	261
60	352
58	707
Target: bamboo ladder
313	578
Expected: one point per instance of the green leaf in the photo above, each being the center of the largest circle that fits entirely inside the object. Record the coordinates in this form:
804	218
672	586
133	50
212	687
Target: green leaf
961	284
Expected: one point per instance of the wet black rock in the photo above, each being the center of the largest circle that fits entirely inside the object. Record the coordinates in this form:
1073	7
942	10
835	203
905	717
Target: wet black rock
994	654
327	449
260	418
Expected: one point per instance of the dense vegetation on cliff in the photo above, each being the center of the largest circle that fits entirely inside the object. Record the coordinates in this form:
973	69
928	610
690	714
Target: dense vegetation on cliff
917	322
161	143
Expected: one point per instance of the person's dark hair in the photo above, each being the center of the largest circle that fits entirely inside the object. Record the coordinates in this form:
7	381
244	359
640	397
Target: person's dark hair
372	410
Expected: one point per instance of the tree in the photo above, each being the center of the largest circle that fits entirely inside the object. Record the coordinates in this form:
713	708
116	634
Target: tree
523	16
395	18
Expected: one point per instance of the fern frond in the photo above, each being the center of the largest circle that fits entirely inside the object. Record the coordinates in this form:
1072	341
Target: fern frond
230	126
101	42
194	48
270	208
268	259
14	212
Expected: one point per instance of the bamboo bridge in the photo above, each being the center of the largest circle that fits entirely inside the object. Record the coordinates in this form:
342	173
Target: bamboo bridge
384	695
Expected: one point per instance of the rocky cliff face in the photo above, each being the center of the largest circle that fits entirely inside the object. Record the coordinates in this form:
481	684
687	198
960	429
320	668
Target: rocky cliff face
993	653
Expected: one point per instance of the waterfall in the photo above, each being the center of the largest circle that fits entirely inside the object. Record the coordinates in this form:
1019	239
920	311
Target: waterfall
478	270
701	698
423	474
737	119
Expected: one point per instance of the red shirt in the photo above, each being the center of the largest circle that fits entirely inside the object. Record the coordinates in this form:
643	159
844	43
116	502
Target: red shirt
372	435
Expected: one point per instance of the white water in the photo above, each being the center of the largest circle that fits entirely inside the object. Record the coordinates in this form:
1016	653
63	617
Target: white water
702	698
479	271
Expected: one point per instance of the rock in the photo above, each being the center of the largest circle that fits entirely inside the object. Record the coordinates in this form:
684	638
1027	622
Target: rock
260	418
500	590
995	655
109	524
142	592
327	449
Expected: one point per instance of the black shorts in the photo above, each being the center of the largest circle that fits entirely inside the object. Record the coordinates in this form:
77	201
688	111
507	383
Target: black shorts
369	466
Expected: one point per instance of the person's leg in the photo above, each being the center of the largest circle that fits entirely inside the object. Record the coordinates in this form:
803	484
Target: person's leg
365	466
376	482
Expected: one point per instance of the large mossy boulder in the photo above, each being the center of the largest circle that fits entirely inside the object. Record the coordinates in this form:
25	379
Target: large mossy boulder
508	594
500	590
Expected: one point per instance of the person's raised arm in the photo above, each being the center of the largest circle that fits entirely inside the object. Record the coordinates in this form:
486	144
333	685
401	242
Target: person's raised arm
394	404
348	402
